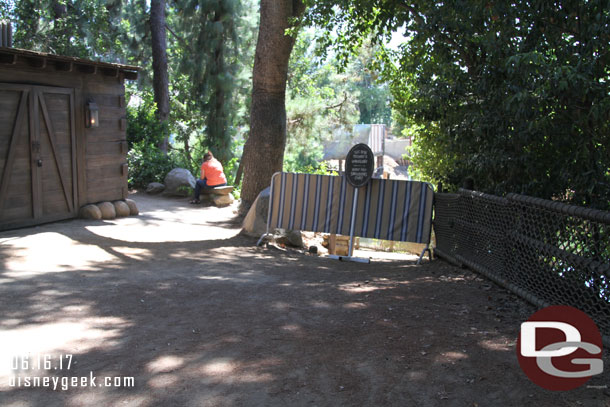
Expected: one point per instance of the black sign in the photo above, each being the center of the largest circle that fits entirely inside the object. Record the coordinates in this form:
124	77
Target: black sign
359	165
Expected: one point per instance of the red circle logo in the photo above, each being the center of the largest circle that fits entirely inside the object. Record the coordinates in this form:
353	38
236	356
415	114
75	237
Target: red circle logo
560	348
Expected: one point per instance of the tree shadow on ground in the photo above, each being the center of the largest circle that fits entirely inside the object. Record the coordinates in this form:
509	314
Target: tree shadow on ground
221	322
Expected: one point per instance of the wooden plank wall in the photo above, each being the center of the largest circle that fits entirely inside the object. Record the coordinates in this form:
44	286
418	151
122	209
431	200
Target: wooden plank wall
102	151
106	145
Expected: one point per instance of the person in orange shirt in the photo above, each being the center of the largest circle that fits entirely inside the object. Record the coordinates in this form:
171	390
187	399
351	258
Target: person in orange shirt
212	175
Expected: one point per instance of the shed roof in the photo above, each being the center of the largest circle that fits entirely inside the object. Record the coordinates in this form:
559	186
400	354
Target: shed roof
41	60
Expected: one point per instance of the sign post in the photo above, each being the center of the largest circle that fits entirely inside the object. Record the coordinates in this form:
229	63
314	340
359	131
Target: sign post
359	165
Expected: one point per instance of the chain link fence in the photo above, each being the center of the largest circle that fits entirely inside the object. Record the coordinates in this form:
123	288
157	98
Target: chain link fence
547	252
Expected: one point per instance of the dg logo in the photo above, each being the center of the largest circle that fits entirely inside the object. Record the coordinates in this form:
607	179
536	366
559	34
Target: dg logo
560	348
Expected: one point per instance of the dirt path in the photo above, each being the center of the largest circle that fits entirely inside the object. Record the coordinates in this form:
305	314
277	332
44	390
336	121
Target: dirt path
198	316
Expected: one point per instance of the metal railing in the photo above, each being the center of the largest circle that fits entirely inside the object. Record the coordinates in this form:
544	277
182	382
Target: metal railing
547	252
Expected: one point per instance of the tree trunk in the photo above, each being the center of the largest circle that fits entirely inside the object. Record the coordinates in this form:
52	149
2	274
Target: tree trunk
217	119
159	63
264	150
238	174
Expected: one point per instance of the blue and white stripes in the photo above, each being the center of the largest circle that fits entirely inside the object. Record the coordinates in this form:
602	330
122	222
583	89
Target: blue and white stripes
386	209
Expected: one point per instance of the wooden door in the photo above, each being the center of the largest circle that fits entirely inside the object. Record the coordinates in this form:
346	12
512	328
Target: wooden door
15	162
54	154
37	155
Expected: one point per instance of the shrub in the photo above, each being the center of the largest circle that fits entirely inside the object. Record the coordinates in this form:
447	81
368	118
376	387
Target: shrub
147	164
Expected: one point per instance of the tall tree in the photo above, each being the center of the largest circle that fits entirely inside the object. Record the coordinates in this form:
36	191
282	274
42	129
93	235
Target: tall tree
211	62
159	64
217	123
264	149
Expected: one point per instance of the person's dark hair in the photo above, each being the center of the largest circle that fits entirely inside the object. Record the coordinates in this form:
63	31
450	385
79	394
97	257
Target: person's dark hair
207	156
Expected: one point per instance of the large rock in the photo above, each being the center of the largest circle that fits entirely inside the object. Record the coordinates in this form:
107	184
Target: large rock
133	208
155	188
255	222
290	238
121	208
222	200
107	209
90	212
179	181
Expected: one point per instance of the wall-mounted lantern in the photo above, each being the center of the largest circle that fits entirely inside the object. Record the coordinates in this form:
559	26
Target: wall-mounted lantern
92	114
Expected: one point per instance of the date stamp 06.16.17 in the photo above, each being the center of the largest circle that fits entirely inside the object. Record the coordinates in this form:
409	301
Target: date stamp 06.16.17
24	363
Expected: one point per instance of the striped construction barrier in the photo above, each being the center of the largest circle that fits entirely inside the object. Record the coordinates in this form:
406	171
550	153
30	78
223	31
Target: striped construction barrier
386	209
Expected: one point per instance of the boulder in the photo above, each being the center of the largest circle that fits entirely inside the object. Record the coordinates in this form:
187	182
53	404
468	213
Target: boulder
90	212
290	238
155	188
121	208
133	208
179	181
222	200
255	222
107	209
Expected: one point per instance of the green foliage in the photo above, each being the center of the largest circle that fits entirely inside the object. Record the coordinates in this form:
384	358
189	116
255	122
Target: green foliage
147	164
305	160
6	9
144	132
336	91
84	28
516	96
143	127
374	97
211	61
134	40
323	99
305	164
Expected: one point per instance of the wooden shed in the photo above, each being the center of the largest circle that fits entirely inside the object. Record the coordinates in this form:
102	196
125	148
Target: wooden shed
53	159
